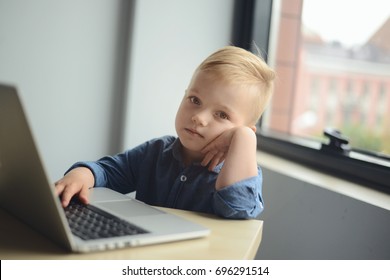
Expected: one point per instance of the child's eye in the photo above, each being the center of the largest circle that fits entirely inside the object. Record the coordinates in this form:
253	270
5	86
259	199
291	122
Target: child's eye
223	115
194	100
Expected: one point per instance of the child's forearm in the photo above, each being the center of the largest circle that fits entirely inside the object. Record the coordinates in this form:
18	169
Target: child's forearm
240	161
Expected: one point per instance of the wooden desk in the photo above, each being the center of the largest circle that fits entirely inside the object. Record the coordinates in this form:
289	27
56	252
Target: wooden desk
229	239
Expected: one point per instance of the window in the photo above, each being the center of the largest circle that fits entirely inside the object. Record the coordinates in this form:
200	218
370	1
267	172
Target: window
333	63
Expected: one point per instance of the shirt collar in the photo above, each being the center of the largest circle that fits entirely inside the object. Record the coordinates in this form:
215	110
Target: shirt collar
176	150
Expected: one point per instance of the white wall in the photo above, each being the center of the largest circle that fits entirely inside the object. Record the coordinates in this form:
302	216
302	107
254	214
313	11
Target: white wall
65	57
170	39
61	55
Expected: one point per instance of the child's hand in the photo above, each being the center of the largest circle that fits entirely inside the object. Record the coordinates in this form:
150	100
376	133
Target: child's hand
77	181
237	148
215	152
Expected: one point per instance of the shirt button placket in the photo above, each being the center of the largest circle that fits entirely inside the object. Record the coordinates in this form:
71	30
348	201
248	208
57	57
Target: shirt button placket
182	179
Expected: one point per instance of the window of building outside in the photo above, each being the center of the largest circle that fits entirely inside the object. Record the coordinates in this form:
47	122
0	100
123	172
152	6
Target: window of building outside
333	63
332	59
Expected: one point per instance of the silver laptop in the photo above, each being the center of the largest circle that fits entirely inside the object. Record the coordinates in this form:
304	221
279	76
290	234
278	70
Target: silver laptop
26	192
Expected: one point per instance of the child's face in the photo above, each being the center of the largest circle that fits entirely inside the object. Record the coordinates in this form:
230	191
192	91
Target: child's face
208	109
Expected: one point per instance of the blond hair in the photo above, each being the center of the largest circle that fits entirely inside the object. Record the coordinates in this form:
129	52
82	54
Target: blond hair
238	66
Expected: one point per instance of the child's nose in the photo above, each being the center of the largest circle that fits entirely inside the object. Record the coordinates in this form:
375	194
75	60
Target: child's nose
200	119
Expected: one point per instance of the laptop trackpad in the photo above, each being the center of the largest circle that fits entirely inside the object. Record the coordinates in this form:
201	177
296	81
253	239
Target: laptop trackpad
128	208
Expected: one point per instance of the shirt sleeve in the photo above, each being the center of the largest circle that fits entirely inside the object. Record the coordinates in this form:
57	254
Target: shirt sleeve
242	200
121	172
110	172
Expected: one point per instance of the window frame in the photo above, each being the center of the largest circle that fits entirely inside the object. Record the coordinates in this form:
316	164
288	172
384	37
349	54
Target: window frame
252	22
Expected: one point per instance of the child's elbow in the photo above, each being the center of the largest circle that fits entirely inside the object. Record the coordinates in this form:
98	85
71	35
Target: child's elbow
242	214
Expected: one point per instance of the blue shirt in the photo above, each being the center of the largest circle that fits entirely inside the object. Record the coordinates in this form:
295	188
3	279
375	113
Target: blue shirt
156	172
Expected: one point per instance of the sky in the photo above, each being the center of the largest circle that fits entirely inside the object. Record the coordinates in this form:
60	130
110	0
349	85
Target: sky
350	22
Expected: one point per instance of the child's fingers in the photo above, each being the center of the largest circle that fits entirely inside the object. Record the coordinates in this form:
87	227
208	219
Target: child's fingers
66	196
68	192
208	148
217	159
84	195
208	157
59	187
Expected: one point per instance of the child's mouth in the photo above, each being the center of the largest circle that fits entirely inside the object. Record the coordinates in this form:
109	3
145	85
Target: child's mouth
193	132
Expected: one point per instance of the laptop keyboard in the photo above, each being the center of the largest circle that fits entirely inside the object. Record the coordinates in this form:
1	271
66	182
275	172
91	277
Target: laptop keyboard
89	222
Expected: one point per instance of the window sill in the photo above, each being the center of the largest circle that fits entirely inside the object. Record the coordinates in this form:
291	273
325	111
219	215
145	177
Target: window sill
323	180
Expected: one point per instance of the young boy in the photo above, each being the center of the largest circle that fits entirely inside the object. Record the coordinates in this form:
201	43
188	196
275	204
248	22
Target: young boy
211	166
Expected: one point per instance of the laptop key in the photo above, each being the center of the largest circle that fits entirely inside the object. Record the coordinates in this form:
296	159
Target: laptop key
89	222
